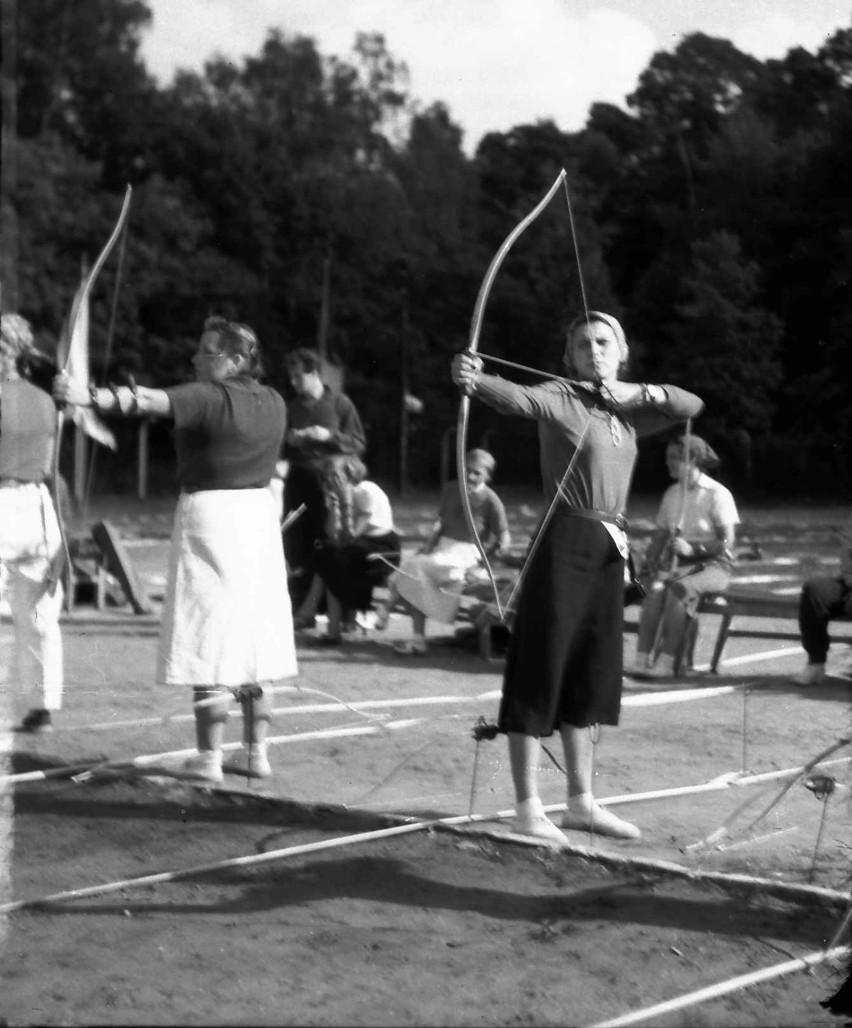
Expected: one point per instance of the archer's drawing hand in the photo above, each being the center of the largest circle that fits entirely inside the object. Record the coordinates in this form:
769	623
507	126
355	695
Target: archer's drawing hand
465	370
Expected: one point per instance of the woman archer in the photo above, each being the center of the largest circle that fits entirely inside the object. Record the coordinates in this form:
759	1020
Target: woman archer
227	625
564	665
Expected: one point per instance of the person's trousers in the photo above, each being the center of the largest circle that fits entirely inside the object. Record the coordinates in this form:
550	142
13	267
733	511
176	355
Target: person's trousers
667	608
822	598
29	542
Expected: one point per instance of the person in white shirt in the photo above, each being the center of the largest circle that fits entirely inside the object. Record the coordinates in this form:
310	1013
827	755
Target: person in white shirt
691	553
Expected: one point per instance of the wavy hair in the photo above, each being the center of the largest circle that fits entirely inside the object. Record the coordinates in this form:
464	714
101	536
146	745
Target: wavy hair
237	340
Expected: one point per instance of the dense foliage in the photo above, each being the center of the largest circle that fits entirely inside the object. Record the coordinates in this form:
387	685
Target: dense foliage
714	216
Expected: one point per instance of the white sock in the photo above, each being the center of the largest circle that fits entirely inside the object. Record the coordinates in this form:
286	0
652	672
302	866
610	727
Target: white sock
530	809
581	802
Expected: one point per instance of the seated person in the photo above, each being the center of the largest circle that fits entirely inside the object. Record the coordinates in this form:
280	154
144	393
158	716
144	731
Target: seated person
362	549
430	582
691	553
822	598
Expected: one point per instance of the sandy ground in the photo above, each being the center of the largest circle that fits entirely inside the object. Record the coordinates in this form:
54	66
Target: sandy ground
432	926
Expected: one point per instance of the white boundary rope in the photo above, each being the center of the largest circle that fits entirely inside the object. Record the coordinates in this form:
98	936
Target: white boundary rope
724	988
254	859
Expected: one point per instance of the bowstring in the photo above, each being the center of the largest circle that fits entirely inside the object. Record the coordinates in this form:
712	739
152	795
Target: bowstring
560	489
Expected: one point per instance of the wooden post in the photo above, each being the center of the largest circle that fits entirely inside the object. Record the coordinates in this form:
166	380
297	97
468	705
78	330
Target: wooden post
80	452
9	159
403	391
325	300
142	458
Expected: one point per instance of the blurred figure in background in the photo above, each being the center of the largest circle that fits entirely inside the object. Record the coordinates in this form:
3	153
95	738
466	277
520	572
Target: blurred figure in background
430	582
363	547
822	598
30	543
691	553
321	424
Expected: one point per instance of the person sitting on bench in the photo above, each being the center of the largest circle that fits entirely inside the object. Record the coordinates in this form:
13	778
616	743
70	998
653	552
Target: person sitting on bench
430	582
822	598
690	554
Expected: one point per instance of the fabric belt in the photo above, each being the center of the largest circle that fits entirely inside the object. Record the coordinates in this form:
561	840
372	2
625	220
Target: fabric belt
619	520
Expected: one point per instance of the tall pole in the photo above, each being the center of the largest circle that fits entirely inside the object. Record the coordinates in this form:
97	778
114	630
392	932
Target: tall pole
8	158
403	390
325	299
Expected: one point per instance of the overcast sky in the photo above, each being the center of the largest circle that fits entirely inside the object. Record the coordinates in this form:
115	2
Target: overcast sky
495	63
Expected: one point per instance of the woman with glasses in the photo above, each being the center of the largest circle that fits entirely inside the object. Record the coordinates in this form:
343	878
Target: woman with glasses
227	625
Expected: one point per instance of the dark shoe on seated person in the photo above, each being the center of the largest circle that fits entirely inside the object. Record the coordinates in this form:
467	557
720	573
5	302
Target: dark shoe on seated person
36	722
329	640
301	622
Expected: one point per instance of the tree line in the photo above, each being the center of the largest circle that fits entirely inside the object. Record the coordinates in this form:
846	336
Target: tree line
315	198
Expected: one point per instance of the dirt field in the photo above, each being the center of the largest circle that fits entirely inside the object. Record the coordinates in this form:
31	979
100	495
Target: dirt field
427	925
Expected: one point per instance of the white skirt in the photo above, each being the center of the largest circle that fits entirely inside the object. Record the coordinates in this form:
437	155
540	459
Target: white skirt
433	582
227	618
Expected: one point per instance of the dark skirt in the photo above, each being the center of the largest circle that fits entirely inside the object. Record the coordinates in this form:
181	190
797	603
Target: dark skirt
352	569
564	663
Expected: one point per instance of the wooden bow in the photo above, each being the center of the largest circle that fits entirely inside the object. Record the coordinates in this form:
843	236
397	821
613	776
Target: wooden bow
63	566
473	344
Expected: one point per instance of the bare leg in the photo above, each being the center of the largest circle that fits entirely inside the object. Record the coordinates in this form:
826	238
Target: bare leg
649	618
417	645
310	604
530	816
210	705
335	615
577	747
583	812
523	758
418	623
211	712
383	609
257	711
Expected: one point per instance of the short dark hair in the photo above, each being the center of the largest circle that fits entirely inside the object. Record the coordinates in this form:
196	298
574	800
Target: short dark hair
304	357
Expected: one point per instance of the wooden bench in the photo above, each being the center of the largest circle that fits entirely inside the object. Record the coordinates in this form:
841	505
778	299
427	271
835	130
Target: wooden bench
729	605
736	603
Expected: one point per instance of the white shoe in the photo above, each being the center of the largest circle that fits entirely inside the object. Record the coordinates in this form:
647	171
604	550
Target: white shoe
366	620
601	822
813	674
636	669
540	827
252	765
203	767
